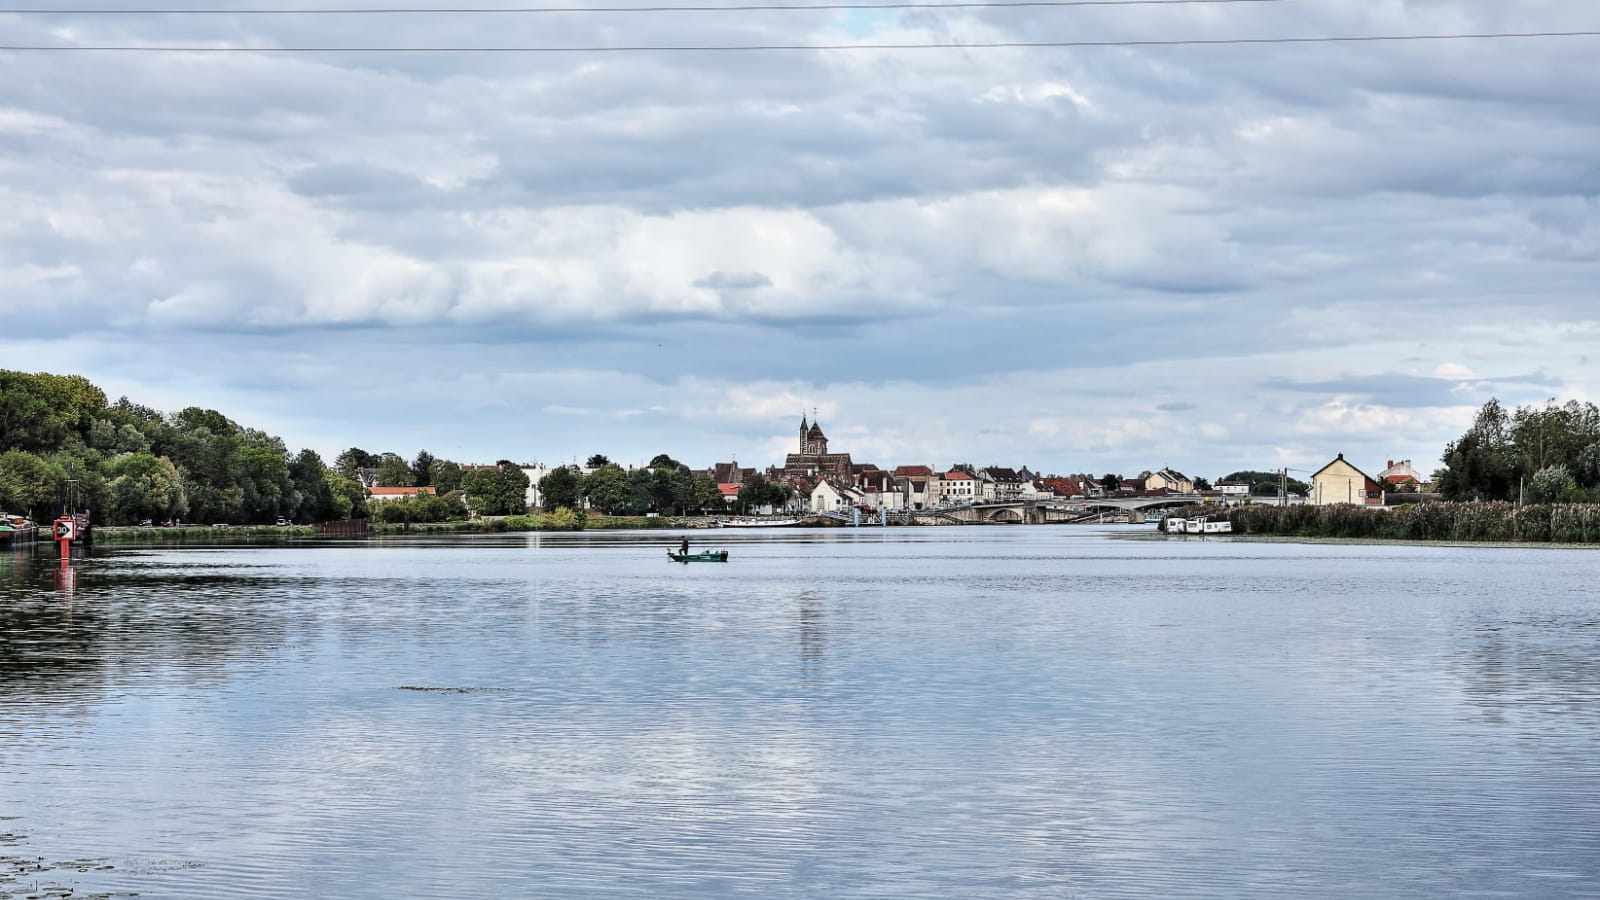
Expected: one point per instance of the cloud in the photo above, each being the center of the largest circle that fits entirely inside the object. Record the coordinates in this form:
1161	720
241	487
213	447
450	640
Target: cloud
737	281
1098	258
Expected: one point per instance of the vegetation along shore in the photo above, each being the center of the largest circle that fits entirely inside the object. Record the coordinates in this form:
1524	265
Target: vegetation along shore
1493	521
1528	474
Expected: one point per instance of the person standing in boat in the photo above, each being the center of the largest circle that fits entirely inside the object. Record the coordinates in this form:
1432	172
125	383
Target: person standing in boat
683	548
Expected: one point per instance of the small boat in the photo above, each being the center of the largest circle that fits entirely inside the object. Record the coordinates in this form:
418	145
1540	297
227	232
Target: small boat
17	530
757	523
1200	525
703	556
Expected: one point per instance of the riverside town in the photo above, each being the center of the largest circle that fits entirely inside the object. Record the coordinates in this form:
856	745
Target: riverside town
1527	474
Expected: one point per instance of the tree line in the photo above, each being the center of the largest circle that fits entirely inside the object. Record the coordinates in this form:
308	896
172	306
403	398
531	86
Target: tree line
664	486
64	446
1532	454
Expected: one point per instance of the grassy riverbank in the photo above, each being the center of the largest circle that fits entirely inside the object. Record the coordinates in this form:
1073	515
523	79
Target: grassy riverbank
197	533
1566	523
557	521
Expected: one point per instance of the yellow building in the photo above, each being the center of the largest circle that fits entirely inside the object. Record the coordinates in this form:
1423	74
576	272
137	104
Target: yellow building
1341	482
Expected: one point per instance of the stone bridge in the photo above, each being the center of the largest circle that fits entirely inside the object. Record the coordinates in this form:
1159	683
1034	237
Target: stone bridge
1018	512
1040	512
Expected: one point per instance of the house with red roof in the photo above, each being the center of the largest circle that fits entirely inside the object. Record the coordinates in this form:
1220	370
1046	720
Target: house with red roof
959	486
385	494
918	485
1341	482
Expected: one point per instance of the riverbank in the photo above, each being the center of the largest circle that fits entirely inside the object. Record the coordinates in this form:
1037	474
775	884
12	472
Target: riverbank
557	521
127	534
1562	523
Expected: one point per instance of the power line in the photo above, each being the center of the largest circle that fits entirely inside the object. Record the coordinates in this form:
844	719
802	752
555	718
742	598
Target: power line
777	7
688	48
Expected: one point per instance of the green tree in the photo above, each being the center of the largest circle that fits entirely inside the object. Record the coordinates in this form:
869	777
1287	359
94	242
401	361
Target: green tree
312	496
348	496
422	508
680	490
422	469
393	471
596	461
560	487
1481	463
106	436
1266	483
607	488
757	491
352	461
146	487
205	446
27	483
707	496
500	490
263	482
1551	484
1554	435
80	485
641	494
445	475
42	413
663	461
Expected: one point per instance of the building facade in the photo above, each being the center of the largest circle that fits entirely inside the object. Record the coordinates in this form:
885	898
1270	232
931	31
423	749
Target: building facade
1341	482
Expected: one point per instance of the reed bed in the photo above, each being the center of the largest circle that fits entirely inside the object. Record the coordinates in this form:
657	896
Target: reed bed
1566	523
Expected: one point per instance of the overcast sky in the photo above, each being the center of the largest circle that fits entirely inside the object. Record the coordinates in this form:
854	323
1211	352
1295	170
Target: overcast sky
1076	259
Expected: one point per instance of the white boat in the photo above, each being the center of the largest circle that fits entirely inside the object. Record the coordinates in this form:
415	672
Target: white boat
757	523
1200	525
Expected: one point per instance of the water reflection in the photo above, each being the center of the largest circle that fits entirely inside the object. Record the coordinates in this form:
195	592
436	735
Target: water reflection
909	713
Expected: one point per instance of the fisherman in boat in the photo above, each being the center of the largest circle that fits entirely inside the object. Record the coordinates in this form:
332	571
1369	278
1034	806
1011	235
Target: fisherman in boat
683	548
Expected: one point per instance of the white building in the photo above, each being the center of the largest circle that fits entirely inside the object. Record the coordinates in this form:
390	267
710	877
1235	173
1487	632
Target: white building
1234	488
535	471
830	497
957	487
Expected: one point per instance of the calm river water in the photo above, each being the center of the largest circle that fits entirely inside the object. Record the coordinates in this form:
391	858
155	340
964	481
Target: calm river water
937	712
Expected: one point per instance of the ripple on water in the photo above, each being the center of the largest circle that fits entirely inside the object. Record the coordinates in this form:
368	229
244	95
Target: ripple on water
956	712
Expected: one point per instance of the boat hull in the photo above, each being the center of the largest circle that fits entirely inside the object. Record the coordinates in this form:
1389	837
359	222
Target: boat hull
708	556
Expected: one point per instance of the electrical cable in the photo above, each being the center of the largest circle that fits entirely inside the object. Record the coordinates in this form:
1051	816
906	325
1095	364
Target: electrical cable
775	7
716	48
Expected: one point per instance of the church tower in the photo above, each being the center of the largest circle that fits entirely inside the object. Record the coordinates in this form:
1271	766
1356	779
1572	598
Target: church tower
813	442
